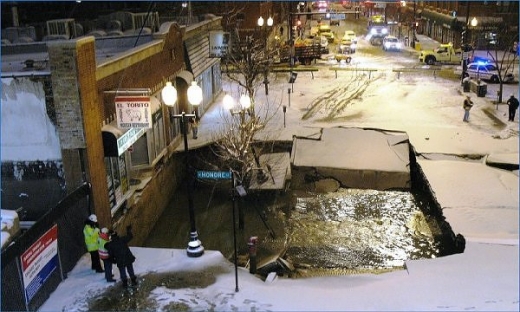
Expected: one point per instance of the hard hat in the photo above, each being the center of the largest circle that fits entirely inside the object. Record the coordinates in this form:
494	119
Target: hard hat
92	218
104	230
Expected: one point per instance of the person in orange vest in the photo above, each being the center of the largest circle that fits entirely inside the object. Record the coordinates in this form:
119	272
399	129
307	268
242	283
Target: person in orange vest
104	237
91	234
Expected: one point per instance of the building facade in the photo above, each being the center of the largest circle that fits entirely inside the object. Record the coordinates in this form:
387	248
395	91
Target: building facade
450	21
72	89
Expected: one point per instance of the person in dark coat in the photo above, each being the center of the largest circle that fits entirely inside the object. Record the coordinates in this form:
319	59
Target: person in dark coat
120	254
513	106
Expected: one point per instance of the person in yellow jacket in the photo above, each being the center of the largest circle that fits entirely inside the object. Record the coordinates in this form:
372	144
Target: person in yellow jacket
91	233
104	237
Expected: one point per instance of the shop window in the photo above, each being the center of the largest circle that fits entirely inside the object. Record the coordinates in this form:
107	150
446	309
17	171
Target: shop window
139	152
117	180
149	148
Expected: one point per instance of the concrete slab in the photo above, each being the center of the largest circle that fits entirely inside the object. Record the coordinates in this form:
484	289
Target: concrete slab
278	172
358	158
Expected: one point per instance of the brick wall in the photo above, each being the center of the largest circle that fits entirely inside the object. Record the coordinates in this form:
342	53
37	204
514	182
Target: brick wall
73	67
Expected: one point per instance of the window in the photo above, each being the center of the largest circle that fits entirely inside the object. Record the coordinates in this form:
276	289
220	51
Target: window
148	148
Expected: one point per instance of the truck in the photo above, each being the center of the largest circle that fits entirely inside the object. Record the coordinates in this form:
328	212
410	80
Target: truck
377	29
305	51
444	54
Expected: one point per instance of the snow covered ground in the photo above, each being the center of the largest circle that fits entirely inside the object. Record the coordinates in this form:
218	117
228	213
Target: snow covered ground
479	202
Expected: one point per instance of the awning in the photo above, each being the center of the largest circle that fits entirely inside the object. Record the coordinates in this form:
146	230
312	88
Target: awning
484	22
186	76
197	54
116	141
445	20
110	135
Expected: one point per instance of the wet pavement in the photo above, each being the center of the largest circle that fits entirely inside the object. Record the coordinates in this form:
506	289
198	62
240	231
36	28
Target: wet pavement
145	296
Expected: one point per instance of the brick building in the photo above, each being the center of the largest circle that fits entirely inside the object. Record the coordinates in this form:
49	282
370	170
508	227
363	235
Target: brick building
445	21
133	172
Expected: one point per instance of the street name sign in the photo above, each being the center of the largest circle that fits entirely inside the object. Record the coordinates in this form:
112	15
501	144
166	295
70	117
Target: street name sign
214	175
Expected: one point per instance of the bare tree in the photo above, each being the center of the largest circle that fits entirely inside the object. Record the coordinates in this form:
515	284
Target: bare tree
503	57
238	146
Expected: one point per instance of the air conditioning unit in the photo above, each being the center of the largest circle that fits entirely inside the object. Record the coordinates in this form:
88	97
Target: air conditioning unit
64	27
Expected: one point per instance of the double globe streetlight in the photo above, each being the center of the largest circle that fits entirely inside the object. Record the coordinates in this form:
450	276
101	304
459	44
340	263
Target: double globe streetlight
169	97
265	35
245	105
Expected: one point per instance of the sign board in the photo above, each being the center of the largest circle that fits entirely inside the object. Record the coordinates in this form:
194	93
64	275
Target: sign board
133	112
128	138
337	16
218	43
39	261
214	175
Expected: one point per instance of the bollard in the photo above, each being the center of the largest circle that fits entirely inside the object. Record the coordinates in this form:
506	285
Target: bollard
284	111
252	254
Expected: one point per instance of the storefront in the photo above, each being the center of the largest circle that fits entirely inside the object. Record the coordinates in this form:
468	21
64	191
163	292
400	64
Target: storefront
128	150
206	70
440	27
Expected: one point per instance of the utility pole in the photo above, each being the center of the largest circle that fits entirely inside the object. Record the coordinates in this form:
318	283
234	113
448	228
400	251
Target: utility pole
465	49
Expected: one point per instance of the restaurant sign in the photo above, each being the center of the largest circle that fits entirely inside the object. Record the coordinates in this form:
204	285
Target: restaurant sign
133	112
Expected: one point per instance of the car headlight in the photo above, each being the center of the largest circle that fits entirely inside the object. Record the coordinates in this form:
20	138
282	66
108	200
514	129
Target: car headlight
387	45
399	45
384	31
373	31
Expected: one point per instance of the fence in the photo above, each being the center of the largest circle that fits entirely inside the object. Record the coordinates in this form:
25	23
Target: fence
68	216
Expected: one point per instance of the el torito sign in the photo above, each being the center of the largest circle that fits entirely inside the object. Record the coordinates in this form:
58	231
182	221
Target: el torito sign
133	112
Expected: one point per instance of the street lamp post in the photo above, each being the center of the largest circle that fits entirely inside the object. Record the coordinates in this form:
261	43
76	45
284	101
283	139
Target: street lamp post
465	46
169	97
245	104
266	57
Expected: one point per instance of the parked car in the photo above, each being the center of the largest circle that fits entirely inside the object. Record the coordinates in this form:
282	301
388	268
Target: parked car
485	71
392	43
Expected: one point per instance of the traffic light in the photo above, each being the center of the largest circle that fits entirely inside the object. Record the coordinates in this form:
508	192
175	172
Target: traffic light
294	32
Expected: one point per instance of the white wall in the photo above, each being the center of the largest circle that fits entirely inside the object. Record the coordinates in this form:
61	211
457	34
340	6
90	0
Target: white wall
27	133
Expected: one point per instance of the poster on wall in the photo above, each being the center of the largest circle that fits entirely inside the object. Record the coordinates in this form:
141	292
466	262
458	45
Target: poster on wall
133	112
218	43
39	261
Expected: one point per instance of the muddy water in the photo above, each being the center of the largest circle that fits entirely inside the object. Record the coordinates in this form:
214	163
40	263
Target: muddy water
346	230
144	298
358	229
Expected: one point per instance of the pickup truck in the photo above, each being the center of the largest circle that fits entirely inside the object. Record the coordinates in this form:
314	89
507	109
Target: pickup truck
444	54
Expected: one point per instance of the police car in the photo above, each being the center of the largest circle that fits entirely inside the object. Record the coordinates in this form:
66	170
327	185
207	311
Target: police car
486	71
